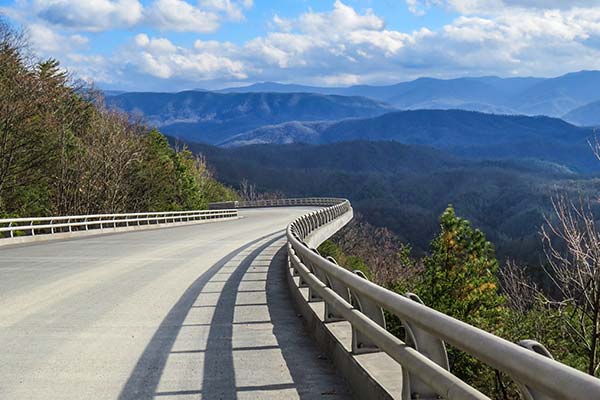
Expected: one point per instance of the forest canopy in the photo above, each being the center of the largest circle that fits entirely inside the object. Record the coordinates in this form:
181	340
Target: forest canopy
63	152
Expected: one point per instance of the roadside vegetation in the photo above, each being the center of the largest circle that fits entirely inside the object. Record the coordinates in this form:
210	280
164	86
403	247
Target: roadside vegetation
461	277
62	152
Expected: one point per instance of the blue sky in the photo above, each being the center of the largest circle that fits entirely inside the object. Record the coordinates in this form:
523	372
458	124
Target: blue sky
180	44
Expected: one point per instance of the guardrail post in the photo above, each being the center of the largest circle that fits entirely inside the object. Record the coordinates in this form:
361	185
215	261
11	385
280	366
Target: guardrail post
527	392
342	290
11	231
428	345
360	342
51	227
32	228
291	263
302	283
312	295
69	223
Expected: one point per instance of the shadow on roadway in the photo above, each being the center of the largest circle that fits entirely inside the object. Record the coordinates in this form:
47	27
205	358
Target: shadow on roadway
277	359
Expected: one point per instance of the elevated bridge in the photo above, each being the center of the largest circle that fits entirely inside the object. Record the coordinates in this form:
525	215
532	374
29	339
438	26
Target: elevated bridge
227	304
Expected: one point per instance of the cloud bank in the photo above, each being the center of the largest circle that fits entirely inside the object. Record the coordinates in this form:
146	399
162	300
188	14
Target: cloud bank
340	46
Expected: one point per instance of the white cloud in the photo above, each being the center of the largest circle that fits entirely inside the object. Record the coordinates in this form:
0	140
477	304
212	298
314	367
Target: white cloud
324	39
339	80
417	6
340	46
91	68
179	15
160	58
100	15
488	7
79	40
343	46
342	19
282	24
48	42
94	15
232	9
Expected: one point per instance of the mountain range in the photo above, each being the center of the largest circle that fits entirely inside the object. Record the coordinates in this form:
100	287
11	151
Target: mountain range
215	117
587	115
554	97
463	133
435	112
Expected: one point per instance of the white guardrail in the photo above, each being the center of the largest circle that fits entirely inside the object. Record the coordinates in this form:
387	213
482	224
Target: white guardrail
422	354
307	201
19	227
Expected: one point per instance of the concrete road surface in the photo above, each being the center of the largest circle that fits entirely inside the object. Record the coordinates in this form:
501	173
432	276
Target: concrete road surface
180	313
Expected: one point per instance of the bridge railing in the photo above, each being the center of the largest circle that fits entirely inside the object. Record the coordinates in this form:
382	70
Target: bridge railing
422	354
306	201
12	227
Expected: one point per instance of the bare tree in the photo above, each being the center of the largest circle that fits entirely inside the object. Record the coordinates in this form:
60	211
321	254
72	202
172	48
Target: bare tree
247	190
520	291
390	264
572	244
20	101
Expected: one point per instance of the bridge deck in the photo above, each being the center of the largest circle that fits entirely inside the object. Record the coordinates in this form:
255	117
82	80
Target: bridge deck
184	313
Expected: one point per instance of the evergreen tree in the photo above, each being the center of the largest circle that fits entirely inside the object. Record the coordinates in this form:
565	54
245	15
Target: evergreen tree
460	280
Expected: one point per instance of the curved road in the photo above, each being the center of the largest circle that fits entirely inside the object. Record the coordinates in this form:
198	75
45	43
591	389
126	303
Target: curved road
198	311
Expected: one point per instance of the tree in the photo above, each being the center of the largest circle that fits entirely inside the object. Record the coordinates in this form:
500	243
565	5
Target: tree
247	190
63	152
460	280
460	272
572	243
22	137
391	265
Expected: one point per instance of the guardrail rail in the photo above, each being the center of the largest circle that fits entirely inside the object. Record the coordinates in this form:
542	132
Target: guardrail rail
422	354
20	227
292	202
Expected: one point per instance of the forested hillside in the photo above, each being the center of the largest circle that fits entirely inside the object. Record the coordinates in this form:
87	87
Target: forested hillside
463	133
406	187
63	152
214	117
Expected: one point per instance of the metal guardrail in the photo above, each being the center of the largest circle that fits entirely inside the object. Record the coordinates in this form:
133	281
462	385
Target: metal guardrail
308	201
422	354
11	227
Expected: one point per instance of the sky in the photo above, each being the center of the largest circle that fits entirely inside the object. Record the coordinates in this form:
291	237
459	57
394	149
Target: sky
170	45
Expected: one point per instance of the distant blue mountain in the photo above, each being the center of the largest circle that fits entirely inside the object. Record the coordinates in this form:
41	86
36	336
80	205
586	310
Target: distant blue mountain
558	96
274	87
587	115
529	96
464	133
112	92
486	93
214	117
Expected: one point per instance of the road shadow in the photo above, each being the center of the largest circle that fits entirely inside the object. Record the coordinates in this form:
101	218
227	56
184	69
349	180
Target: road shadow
313	374
274	355
145	377
219	371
